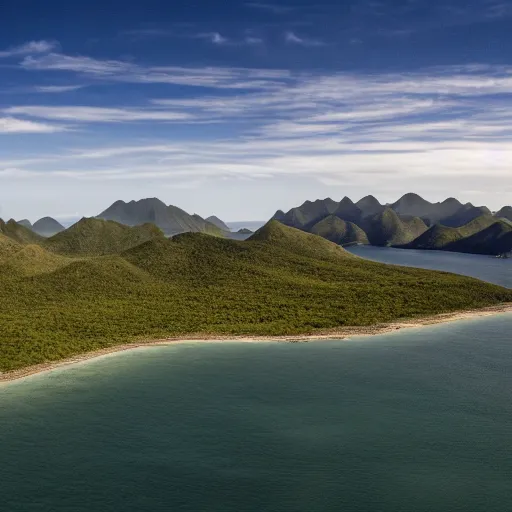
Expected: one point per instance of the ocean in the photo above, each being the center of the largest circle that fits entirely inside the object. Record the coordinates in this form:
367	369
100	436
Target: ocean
417	420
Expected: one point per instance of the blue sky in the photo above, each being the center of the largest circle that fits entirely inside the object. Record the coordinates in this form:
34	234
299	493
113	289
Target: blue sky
241	108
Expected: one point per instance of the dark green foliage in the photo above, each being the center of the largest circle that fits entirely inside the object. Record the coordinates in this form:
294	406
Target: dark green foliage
495	239
280	281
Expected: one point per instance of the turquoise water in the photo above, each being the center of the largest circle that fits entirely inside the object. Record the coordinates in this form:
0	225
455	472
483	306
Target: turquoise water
486	268
419	420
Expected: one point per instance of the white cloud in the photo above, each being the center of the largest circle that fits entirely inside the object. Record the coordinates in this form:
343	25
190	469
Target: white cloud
122	71
96	114
30	48
57	88
13	125
293	38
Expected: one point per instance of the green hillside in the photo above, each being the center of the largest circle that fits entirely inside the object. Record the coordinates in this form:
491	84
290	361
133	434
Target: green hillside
95	237
19	233
280	281
439	237
334	229
495	239
388	228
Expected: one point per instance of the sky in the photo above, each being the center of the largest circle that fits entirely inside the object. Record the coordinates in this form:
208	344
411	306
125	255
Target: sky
240	108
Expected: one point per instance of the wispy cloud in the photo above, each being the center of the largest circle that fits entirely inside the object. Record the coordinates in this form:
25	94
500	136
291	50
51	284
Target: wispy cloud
293	38
55	89
122	71
96	114
13	125
30	48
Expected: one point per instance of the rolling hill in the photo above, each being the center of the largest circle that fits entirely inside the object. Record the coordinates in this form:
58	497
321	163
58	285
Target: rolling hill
505	213
340	232
280	281
95	237
19	233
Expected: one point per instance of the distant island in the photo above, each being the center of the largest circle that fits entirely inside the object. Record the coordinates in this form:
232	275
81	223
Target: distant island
409	223
100	284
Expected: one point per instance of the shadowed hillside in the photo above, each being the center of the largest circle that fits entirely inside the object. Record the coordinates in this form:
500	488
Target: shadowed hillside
400	223
280	281
440	237
388	228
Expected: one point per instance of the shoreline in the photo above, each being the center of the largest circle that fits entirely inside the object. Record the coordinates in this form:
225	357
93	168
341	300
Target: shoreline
331	334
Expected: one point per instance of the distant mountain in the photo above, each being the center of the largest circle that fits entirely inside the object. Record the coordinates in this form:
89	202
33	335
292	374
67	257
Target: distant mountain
348	211
340	232
170	219
47	227
308	214
19	233
244	231
217	222
369	206
26	223
505	213
96	237
389	228
465	215
415	205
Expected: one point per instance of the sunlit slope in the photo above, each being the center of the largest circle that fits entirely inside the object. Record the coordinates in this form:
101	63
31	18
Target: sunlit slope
280	281
96	237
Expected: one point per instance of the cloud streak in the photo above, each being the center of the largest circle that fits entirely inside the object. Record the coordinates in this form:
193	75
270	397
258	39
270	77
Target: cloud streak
30	48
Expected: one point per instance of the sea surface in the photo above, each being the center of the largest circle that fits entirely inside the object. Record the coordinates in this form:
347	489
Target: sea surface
486	268
414	421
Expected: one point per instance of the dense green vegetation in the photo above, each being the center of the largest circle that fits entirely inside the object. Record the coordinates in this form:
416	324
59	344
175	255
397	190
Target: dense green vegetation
334	229
95	237
281	281
440	237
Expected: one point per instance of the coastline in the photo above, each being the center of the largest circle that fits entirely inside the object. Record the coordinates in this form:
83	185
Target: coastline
332	334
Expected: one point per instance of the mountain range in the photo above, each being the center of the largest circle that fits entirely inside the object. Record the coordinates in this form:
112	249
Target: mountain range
410	223
100	283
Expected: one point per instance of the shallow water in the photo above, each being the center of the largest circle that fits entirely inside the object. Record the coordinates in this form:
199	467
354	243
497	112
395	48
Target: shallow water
486	268
419	420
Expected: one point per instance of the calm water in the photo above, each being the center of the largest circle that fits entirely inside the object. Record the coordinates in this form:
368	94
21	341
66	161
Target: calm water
414	421
419	420
486	268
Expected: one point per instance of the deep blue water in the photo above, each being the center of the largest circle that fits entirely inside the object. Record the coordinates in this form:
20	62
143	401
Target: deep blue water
415	421
486	268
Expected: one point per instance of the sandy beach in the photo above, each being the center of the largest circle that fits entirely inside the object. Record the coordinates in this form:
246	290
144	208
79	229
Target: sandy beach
333	334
